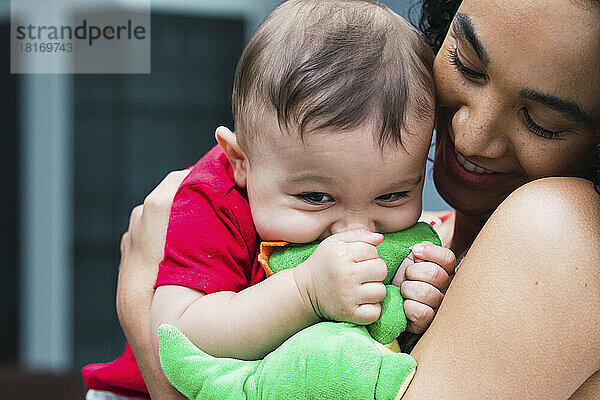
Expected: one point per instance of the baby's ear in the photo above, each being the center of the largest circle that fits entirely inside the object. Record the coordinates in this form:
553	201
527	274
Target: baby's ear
236	156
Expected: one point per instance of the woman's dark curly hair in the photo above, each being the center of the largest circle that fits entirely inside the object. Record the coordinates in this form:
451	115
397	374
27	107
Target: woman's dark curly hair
436	16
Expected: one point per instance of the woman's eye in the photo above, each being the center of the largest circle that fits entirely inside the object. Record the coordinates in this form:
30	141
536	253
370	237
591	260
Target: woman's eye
535	128
392	197
316	197
471	74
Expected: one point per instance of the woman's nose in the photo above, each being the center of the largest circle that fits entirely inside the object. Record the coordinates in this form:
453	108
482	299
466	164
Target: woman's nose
478	131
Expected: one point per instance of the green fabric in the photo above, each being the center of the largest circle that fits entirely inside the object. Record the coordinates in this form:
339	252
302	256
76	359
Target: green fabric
392	321
329	360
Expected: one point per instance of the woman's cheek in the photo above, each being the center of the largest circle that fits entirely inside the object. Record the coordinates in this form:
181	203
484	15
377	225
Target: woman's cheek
540	160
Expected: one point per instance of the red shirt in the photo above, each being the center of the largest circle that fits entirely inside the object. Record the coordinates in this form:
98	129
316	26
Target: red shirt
211	245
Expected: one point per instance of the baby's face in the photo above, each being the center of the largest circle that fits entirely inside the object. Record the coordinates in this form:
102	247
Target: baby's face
300	191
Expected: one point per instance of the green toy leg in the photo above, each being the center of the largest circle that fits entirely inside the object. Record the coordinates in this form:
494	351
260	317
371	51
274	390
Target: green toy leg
392	321
329	360
197	375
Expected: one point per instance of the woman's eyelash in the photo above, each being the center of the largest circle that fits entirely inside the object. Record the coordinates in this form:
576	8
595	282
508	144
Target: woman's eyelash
468	72
538	130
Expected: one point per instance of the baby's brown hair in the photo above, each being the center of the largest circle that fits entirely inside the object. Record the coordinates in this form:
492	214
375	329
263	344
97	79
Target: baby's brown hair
336	64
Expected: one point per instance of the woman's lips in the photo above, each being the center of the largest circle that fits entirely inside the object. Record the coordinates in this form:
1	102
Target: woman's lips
467	172
469	165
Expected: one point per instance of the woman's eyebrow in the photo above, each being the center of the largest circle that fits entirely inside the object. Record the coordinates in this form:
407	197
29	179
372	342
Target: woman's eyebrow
569	108
463	26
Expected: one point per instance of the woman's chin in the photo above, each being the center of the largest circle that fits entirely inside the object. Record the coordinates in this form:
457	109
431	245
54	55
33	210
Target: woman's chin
462	200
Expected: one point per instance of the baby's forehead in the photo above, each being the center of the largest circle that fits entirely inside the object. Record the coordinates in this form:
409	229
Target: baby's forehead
338	162
353	146
369	131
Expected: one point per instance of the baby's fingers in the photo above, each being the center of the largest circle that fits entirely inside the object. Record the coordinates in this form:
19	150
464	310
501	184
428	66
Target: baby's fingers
360	251
374	270
370	293
428	272
427	251
419	316
358	235
367	296
366	314
421	292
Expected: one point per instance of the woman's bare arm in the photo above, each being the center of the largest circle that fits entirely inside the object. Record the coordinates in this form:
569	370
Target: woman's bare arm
520	318
142	249
590	390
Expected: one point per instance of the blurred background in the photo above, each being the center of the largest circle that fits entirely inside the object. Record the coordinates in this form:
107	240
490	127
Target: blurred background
78	153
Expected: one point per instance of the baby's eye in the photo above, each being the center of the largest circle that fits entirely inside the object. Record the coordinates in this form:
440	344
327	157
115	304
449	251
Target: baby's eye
316	197
392	197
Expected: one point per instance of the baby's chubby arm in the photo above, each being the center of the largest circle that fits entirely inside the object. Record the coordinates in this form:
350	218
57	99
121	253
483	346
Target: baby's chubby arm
423	279
340	281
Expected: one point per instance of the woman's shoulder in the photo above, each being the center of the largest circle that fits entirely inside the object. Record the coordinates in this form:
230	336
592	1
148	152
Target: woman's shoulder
559	184
560	197
550	206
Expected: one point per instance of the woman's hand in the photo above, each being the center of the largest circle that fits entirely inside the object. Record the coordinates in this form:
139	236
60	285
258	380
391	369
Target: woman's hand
423	278
142	248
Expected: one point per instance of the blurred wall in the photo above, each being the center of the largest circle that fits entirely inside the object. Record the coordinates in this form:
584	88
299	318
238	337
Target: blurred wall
129	132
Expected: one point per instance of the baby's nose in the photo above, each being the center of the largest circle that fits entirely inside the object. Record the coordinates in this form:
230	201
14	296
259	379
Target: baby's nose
366	224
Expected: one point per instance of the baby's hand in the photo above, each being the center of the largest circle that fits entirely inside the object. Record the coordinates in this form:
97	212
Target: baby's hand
343	277
423	279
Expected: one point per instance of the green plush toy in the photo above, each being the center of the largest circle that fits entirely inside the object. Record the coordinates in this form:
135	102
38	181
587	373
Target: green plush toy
328	360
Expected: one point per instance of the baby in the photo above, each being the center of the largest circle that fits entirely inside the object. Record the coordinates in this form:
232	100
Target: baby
333	104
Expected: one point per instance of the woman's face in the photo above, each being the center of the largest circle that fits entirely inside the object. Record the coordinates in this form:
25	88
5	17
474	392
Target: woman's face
518	88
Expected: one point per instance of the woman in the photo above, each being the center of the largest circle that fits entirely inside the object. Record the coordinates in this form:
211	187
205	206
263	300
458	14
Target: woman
518	95
518	99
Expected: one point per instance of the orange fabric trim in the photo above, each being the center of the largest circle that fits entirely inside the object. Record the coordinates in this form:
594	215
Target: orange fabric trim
266	249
